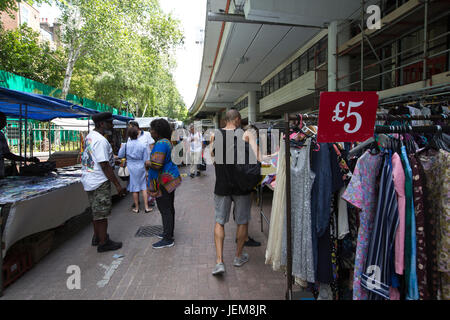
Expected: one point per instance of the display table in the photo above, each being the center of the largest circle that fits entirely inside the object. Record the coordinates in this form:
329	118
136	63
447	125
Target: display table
34	204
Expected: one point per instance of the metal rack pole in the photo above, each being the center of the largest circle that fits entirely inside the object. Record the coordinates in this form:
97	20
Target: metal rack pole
288	208
20	134
425	42
26	132
49	139
1	251
362	45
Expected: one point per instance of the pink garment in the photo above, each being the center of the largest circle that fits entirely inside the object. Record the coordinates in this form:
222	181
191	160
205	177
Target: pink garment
394	294
399	183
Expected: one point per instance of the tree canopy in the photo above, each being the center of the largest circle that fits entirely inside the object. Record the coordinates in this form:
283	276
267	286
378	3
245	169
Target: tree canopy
118	52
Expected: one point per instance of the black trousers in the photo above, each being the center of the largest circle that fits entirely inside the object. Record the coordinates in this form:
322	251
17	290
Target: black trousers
166	206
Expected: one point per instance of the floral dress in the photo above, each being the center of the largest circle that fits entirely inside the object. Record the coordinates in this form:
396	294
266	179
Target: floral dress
362	193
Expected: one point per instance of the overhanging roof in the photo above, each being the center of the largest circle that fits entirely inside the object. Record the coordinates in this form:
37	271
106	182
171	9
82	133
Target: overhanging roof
34	106
247	53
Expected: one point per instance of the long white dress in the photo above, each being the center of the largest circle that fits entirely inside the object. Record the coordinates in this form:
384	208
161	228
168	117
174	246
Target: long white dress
277	216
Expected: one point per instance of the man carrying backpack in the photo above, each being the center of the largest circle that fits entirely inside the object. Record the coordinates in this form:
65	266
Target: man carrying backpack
234	183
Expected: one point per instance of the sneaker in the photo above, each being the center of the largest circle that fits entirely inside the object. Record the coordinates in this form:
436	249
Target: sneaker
96	241
219	269
191	175
252	243
163	244
109	245
198	174
239	262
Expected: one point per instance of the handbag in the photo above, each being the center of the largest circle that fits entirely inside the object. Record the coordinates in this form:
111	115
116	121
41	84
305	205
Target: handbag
123	172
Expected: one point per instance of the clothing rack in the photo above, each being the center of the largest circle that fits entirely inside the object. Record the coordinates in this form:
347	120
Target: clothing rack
378	129
381	117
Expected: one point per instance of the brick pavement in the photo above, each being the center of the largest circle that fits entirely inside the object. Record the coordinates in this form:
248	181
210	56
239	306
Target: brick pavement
180	272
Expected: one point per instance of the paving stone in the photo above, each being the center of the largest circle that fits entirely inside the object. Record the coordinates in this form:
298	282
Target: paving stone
180	272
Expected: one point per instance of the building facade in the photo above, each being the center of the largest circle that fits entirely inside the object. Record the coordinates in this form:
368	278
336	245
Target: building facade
271	57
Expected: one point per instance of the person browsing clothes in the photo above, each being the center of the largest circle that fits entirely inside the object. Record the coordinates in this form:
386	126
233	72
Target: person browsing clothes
145	138
226	192
195	151
163	179
136	154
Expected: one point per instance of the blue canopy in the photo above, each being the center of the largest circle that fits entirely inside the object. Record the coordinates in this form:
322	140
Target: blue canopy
44	108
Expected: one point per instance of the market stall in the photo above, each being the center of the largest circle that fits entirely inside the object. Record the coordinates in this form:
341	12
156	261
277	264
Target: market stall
31	204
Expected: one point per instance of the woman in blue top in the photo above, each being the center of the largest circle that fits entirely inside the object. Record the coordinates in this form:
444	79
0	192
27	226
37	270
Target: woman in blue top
163	179
136	154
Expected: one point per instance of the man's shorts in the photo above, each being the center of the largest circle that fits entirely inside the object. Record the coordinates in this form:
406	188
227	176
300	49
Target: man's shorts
100	201
242	208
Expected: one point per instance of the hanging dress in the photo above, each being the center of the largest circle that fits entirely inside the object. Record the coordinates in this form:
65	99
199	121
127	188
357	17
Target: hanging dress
362	193
277	216
302	179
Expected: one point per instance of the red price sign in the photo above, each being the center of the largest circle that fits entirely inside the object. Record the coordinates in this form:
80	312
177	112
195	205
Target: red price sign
347	116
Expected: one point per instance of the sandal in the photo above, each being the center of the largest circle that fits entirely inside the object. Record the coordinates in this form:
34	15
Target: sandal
135	210
149	210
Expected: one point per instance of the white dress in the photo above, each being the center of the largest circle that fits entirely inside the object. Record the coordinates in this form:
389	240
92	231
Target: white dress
277	216
136	154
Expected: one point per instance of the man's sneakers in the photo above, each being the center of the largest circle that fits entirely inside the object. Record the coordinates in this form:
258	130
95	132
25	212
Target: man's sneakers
198	174
163	244
219	269
240	261
251	243
109	245
192	175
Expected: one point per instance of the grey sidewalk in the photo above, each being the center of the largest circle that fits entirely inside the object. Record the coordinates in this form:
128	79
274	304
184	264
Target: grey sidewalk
180	272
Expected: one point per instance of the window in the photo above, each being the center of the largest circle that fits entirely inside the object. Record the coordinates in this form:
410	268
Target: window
322	51
311	59
24	14
288	71
271	86
276	82
295	69
303	64
265	89
282	76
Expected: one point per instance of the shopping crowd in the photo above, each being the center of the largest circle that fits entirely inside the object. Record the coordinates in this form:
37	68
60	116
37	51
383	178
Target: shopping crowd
147	157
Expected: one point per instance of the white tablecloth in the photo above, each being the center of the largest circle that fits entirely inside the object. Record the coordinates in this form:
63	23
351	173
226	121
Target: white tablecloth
48	209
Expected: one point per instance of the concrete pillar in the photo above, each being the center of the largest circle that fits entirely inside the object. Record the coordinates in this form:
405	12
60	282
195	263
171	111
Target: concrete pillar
332	57
343	62
252	107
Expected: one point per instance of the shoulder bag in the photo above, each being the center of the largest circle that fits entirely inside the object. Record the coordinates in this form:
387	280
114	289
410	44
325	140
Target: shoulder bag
123	173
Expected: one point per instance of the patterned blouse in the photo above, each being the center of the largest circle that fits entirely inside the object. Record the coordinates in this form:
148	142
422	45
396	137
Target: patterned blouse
163	172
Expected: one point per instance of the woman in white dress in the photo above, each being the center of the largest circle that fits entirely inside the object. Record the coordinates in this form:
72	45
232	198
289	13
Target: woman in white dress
136	154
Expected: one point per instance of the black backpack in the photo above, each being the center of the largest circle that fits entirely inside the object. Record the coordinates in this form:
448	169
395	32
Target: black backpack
245	177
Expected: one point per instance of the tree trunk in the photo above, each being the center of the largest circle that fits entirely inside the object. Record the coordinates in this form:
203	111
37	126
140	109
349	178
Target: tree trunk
73	57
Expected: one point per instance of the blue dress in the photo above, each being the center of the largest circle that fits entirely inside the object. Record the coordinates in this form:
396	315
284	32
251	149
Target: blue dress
136	154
